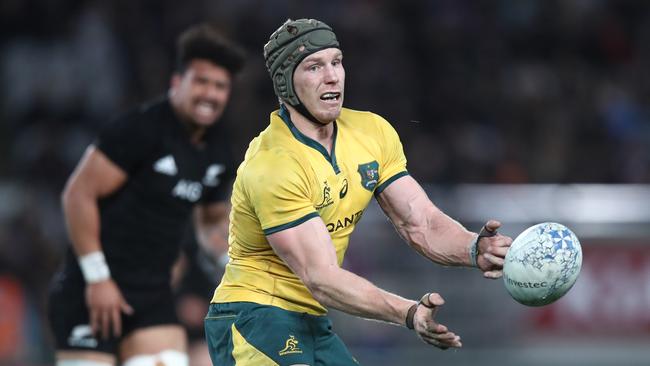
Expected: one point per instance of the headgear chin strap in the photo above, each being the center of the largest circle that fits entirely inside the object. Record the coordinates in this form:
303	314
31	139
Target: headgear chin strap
287	47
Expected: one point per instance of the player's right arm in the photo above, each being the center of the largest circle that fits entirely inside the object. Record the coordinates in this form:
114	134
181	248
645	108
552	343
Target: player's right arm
308	251
95	176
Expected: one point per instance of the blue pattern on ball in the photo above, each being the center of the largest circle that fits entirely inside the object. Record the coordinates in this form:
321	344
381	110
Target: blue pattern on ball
555	243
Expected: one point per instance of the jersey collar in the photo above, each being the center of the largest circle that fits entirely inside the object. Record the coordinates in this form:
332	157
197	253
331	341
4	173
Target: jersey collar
284	114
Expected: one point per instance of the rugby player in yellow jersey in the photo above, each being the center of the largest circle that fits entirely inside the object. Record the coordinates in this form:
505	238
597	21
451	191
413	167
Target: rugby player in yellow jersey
303	186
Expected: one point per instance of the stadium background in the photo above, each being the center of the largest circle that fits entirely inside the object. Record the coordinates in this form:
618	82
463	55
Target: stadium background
520	110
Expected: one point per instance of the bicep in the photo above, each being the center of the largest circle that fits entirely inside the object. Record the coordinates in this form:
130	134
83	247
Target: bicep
96	175
307	249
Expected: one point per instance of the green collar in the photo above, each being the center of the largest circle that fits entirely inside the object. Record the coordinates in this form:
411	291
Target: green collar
284	114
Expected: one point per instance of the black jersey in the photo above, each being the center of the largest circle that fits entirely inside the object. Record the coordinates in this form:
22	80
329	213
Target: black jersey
143	223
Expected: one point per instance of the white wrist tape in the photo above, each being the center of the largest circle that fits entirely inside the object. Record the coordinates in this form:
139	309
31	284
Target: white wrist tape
94	267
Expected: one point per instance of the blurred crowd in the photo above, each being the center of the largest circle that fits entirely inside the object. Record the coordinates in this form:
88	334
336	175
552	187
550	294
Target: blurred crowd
503	91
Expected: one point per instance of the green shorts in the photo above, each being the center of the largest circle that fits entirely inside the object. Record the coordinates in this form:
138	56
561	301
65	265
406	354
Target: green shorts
245	333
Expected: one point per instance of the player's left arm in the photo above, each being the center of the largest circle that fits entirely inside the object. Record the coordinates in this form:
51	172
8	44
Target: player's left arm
437	236
211	226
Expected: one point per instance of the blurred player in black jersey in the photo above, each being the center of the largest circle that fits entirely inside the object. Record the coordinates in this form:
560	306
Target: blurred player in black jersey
127	206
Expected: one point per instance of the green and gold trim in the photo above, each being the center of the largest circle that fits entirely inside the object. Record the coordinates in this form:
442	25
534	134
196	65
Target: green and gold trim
284	114
380	188
291	224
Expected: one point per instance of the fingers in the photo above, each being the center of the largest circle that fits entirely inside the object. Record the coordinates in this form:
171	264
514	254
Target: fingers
492	226
105	308
441	337
94	320
116	314
432	300
428	330
495	260
451	341
493	249
126	308
492	265
105	320
493	275
439	329
499	247
116	320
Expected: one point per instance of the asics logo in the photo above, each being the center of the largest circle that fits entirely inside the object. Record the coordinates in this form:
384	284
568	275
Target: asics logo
344	190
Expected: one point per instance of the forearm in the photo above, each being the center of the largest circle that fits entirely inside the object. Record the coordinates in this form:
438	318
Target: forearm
343	290
427	229
438	237
308	251
82	220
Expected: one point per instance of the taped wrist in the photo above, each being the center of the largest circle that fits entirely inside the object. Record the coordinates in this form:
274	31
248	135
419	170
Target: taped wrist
410	315
473	252
473	249
94	267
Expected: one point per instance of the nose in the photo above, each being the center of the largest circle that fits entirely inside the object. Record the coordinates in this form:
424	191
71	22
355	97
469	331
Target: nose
331	76
210	90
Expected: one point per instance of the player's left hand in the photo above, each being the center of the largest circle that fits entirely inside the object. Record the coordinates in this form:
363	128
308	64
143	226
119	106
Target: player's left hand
428	329
492	250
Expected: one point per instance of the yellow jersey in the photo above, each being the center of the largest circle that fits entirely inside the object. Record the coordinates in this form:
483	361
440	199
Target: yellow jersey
287	178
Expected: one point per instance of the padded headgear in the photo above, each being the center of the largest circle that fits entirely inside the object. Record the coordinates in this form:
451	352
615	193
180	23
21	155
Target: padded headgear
288	46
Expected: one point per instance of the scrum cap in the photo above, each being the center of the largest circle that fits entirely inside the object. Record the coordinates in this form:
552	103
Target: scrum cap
288	46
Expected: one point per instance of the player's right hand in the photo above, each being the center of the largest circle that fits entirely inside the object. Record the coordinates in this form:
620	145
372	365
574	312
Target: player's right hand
105	305
428	329
492	249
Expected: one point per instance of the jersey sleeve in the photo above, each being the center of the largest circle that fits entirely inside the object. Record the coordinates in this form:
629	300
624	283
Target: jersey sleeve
126	141
393	160
278	188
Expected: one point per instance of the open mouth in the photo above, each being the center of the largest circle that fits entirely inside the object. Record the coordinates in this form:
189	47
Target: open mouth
206	108
329	97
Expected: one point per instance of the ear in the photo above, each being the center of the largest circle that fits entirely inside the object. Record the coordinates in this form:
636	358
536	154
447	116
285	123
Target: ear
175	81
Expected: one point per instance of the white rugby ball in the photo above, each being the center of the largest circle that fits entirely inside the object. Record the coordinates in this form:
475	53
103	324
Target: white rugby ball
542	264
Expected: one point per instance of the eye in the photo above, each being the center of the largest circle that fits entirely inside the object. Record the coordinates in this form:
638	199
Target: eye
201	80
313	67
336	62
221	85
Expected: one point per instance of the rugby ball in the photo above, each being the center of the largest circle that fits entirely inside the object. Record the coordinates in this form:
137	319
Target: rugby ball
542	264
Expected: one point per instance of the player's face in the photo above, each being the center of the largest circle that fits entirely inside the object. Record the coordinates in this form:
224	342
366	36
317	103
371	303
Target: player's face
319	81
200	94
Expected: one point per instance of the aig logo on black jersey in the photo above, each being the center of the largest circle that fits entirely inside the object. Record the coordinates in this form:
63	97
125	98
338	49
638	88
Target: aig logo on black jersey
188	190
